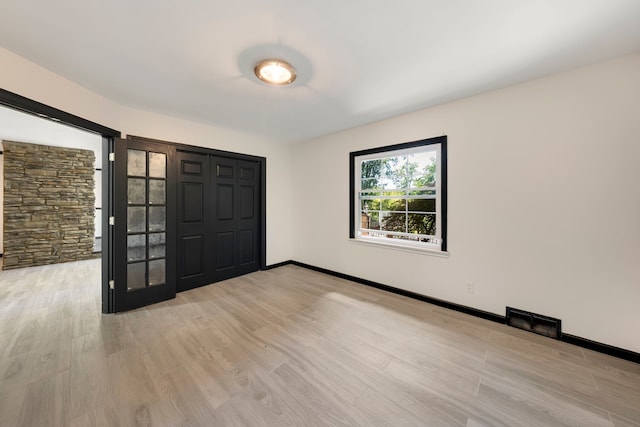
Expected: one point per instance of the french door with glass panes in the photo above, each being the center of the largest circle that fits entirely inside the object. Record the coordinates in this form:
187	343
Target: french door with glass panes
144	224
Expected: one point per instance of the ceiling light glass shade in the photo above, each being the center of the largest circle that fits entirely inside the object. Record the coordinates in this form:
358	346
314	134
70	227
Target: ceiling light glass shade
275	72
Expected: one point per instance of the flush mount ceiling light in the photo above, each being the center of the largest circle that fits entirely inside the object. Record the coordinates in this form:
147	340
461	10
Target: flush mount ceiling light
275	72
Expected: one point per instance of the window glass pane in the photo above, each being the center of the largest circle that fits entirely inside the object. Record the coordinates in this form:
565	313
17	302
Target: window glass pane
374	220
136	162
136	191
425	169
157	191
136	276
157	245
387	172
421	224
372	205
371	183
396	172
157	218
156	272
365	220
371	173
136	247
422	205
136	219
157	165
393	204
394	221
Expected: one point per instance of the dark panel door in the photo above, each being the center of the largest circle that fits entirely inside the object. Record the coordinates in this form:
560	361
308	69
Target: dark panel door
144	229
194	204
248	225
236	217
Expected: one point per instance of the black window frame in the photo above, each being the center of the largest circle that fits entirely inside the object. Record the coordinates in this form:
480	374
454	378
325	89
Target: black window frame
442	140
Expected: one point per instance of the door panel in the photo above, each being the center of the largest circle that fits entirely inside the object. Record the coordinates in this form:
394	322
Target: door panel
192	250
192	202
249	218
224	221
144	230
193	225
247	247
225	244
247	208
247	173
225	168
224	196
236	220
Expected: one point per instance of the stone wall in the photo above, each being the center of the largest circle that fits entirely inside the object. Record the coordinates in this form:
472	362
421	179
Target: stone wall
48	204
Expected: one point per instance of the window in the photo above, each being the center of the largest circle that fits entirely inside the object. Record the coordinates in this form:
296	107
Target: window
398	194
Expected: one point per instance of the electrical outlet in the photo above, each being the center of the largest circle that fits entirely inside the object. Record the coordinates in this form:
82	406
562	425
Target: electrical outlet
470	288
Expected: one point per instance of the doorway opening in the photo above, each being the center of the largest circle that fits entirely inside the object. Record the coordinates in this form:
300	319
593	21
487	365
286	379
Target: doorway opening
41	119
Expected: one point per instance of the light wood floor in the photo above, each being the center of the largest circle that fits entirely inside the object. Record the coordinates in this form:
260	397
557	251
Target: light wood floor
286	347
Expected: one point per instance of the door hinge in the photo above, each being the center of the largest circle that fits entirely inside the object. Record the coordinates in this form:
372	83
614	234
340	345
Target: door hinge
112	284
112	157
112	220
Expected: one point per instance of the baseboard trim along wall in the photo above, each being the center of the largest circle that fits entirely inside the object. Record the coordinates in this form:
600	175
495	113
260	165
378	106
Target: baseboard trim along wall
618	352
280	264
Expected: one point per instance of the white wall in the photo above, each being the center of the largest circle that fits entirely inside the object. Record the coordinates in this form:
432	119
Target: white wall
32	81
544	202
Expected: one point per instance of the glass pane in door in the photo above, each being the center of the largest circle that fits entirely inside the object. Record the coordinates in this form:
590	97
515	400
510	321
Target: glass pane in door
157	218
136	163
136	247
136	191
136	219
136	276
157	245
157	191
157	165
156	272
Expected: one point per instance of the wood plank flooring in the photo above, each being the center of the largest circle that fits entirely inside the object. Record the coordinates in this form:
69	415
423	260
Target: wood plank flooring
286	347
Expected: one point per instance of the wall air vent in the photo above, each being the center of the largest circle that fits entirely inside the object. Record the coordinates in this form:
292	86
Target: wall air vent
537	323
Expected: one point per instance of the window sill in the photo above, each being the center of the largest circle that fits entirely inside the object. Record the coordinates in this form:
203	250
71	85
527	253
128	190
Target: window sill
404	248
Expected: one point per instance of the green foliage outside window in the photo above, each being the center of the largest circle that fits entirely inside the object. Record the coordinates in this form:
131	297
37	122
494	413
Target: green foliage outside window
401	191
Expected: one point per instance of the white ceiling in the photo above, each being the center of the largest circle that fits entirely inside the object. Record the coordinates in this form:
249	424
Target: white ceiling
358	61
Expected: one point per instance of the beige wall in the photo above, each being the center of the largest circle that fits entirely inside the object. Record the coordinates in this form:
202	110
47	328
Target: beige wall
32	81
544	202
